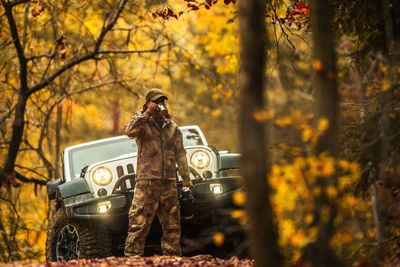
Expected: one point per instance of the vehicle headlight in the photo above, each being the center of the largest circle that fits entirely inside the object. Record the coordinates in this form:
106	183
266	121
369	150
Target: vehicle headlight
102	176
200	160
216	189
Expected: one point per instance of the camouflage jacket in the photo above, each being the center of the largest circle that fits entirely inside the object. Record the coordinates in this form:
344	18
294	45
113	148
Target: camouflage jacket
159	148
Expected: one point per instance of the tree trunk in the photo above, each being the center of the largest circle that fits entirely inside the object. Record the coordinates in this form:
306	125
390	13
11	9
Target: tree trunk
262	234
57	156
320	253
387	18
7	175
116	130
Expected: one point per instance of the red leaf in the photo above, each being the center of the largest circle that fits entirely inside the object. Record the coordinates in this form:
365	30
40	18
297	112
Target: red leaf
300	6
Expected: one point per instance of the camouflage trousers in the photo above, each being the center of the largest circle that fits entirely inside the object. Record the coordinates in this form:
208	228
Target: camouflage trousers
154	197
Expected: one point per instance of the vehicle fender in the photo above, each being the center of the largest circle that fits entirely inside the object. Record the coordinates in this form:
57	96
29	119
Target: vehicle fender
52	188
75	187
229	161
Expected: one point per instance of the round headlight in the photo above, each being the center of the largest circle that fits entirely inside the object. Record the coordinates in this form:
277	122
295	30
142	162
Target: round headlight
102	176
200	160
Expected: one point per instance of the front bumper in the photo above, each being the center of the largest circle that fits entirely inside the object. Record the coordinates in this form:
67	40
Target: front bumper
117	204
206	204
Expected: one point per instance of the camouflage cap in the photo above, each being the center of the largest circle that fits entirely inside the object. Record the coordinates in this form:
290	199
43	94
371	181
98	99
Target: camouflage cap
154	94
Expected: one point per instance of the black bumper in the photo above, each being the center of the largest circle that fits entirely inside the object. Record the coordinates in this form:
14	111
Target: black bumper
206	204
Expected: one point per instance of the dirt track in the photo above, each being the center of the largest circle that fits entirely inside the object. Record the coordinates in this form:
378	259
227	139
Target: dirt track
141	261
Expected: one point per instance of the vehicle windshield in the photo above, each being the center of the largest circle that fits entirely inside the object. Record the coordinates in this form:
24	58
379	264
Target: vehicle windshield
191	137
83	156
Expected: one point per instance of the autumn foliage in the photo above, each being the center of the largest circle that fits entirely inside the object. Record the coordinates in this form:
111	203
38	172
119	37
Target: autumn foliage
87	65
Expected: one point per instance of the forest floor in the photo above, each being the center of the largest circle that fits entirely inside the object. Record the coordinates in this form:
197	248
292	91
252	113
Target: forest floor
166	261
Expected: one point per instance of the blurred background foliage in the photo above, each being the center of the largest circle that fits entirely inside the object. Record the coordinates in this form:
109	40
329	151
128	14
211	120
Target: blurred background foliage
195	60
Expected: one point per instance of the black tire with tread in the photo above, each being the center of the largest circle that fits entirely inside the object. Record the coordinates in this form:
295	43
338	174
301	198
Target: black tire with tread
94	238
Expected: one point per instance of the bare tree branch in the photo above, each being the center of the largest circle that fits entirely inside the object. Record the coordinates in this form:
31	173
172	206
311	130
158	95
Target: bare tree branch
7	115
25	179
17	2
5	238
5	44
78	59
41	56
156	49
25	31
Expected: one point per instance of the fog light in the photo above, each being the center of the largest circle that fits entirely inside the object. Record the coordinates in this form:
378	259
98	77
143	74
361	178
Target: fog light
216	188
207	174
103	207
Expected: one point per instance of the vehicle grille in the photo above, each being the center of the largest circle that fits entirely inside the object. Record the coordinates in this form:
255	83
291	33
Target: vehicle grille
121	172
129	183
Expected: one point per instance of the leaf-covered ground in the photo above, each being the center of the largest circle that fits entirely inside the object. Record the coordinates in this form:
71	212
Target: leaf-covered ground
141	261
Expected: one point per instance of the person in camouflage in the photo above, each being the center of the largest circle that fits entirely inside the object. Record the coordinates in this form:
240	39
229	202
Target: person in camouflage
160	148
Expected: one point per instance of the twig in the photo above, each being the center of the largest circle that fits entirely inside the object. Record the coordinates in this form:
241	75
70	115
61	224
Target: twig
25	179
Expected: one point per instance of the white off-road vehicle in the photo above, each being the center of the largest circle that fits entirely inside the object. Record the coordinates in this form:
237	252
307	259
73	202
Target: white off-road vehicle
93	197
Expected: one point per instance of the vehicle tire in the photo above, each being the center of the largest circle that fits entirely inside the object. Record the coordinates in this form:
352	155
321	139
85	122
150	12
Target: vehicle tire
67	240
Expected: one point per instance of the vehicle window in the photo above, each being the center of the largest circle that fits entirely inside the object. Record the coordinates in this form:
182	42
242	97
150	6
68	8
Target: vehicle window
86	155
191	137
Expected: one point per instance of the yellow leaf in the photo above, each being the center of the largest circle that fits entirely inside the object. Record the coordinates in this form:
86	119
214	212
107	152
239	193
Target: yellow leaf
344	238
306	134
331	192
262	115
298	239
239	198
316	191
328	168
312	233
309	218
216	113
238	214
215	96
344	164
371	233
218	239
317	65
323	124
285	121
287	228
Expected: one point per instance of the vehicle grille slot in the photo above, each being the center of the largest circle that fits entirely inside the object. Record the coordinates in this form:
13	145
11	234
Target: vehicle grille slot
120	171
130	168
